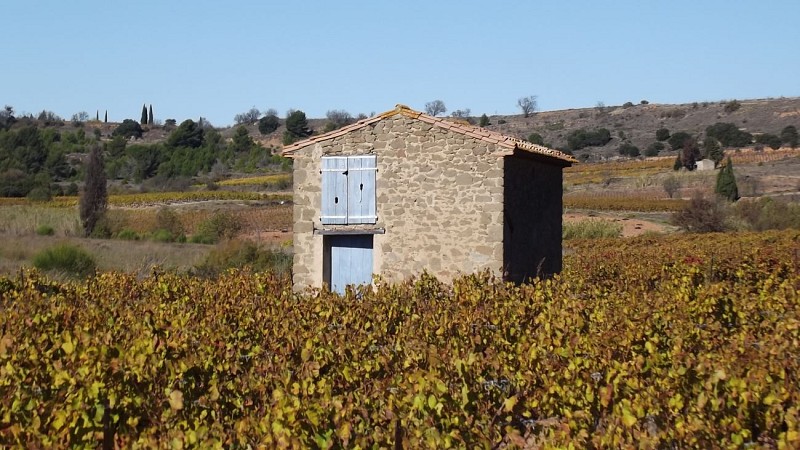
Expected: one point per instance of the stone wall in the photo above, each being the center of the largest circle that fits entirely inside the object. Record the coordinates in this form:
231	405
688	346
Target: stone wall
439	199
533	209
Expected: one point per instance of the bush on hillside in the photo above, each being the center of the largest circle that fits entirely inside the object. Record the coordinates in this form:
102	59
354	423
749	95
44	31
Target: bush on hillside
732	106
729	135
677	140
628	149
536	138
789	136
771	140
128	128
654	149
268	124
581	138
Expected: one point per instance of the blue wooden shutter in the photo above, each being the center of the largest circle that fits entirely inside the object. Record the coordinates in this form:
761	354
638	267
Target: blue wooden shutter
361	189
334	190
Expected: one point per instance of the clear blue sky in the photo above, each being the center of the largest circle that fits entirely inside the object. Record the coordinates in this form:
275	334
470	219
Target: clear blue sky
215	59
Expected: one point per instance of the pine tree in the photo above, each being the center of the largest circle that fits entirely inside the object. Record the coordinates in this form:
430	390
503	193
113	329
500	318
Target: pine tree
484	121
95	196
150	115
726	183
144	115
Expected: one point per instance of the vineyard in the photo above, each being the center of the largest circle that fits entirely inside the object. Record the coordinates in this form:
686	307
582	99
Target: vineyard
695	345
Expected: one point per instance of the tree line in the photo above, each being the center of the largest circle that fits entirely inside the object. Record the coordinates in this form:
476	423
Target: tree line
40	162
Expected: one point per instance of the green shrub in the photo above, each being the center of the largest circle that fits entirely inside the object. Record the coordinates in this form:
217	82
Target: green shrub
729	135
591	229
201	239
168	220
662	134
162	236
628	149
65	258
128	235
768	214
654	149
772	140
581	138
789	136
536	138
241	254
103	229
45	230
221	225
39	194
677	140
732	106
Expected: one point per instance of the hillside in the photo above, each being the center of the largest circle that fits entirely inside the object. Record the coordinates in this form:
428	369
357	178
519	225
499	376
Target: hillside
633	123
640	122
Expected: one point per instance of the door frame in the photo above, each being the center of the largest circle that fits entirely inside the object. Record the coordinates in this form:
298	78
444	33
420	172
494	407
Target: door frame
328	241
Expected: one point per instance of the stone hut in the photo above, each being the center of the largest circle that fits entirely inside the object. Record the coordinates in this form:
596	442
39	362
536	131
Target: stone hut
404	192
706	164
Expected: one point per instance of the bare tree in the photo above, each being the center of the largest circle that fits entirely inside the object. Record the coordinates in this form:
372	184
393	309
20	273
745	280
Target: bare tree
338	118
79	118
435	108
247	117
461	113
527	105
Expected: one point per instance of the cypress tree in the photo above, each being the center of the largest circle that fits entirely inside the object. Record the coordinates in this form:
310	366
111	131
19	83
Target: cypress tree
105	119
726	183
150	115
144	115
678	164
95	196
97	115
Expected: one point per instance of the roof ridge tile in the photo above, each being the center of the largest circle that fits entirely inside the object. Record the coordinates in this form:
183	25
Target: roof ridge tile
467	129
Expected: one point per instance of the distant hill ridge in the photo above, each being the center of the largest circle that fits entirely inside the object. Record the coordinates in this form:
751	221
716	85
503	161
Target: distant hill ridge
632	123
637	123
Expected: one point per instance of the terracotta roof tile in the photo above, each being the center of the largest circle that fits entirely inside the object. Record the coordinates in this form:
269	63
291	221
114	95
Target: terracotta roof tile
483	134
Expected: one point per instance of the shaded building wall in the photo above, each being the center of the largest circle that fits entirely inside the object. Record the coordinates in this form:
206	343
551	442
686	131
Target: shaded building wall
533	209
439	200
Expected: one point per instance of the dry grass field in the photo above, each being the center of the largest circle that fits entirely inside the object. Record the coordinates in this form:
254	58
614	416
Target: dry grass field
267	224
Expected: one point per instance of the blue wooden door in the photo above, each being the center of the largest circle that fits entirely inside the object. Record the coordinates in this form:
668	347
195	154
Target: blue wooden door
350	260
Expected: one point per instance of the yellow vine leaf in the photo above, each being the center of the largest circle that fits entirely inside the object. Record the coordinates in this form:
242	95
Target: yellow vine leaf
176	400
509	403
